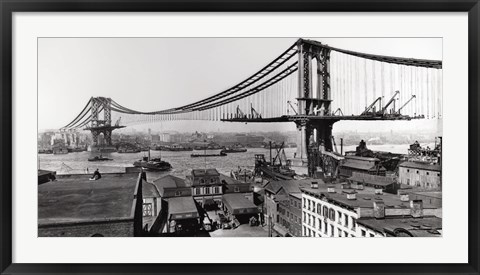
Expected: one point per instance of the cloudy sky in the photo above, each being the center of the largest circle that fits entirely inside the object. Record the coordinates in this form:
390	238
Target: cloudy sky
151	74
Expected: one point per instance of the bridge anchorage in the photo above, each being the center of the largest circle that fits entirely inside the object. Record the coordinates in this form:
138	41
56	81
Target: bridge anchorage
310	84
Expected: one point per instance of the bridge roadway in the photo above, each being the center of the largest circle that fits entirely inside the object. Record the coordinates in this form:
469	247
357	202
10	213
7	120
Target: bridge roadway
293	118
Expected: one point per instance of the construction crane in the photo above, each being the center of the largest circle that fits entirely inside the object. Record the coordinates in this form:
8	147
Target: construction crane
240	114
254	113
392	100
293	108
408	101
372	106
118	121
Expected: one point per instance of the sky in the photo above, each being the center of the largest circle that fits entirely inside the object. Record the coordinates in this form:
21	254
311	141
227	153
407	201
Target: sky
150	74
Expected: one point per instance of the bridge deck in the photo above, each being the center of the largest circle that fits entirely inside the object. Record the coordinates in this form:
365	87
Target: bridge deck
310	117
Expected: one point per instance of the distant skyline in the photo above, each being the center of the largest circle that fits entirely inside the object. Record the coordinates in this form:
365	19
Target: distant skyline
158	73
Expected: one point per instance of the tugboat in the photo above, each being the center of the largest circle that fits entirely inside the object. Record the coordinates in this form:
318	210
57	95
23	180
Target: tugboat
99	158
235	149
155	164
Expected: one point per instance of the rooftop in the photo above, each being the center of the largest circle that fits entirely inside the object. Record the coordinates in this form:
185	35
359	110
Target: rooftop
181	205
361	165
360	158
229	180
427	226
205	172
170	181
149	190
238	201
290	186
75	198
421	165
371	179
364	198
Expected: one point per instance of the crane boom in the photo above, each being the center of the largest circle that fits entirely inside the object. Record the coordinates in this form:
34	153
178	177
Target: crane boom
372	105
408	101
390	102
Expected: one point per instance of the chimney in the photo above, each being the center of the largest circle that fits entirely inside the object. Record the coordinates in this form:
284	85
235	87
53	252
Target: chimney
314	185
378	191
379	209
352	196
331	189
404	197
416	208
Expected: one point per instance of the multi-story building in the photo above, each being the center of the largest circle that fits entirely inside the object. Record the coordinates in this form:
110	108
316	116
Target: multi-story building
420	174
277	204
364	165
334	210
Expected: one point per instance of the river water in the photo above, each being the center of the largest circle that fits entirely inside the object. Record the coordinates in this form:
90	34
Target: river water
182	163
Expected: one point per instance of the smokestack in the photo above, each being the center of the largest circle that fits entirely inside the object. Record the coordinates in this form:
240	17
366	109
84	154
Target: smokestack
379	209
416	208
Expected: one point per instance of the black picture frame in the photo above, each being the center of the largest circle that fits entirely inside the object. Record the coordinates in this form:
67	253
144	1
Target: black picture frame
8	7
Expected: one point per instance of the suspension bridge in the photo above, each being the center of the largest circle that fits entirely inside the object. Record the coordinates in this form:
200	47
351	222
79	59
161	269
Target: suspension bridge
310	84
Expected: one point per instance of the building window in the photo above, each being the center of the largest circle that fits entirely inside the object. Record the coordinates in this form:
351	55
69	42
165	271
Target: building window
372	235
236	189
408	170
178	193
304	216
217	189
325	212
207	190
313	222
309	232
309	219
319	225
313	206
304	203
332	215
197	191
314	235
339	217
353	224
364	234
428	173
202	181
417	172
339	232
309	205
147	209
213	180
346	221
291	202
325	227
304	231
332	230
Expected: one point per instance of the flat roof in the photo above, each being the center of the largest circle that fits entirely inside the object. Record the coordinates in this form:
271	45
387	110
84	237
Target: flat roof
364	198
181	205
75	198
237	202
372	179
361	158
358	165
426	226
205	172
421	165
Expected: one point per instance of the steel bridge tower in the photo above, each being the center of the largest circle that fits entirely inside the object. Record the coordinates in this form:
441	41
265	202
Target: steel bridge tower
314	118
103	126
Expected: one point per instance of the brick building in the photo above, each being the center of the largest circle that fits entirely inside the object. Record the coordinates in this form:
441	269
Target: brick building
420	174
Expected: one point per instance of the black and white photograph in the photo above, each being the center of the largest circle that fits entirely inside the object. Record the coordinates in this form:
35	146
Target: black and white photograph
240	137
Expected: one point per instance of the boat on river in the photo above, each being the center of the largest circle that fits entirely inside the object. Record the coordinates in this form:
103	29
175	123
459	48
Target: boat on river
222	154
99	158
153	164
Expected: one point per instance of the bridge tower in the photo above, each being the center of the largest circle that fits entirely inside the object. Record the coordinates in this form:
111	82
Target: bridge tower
314	119
103	126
